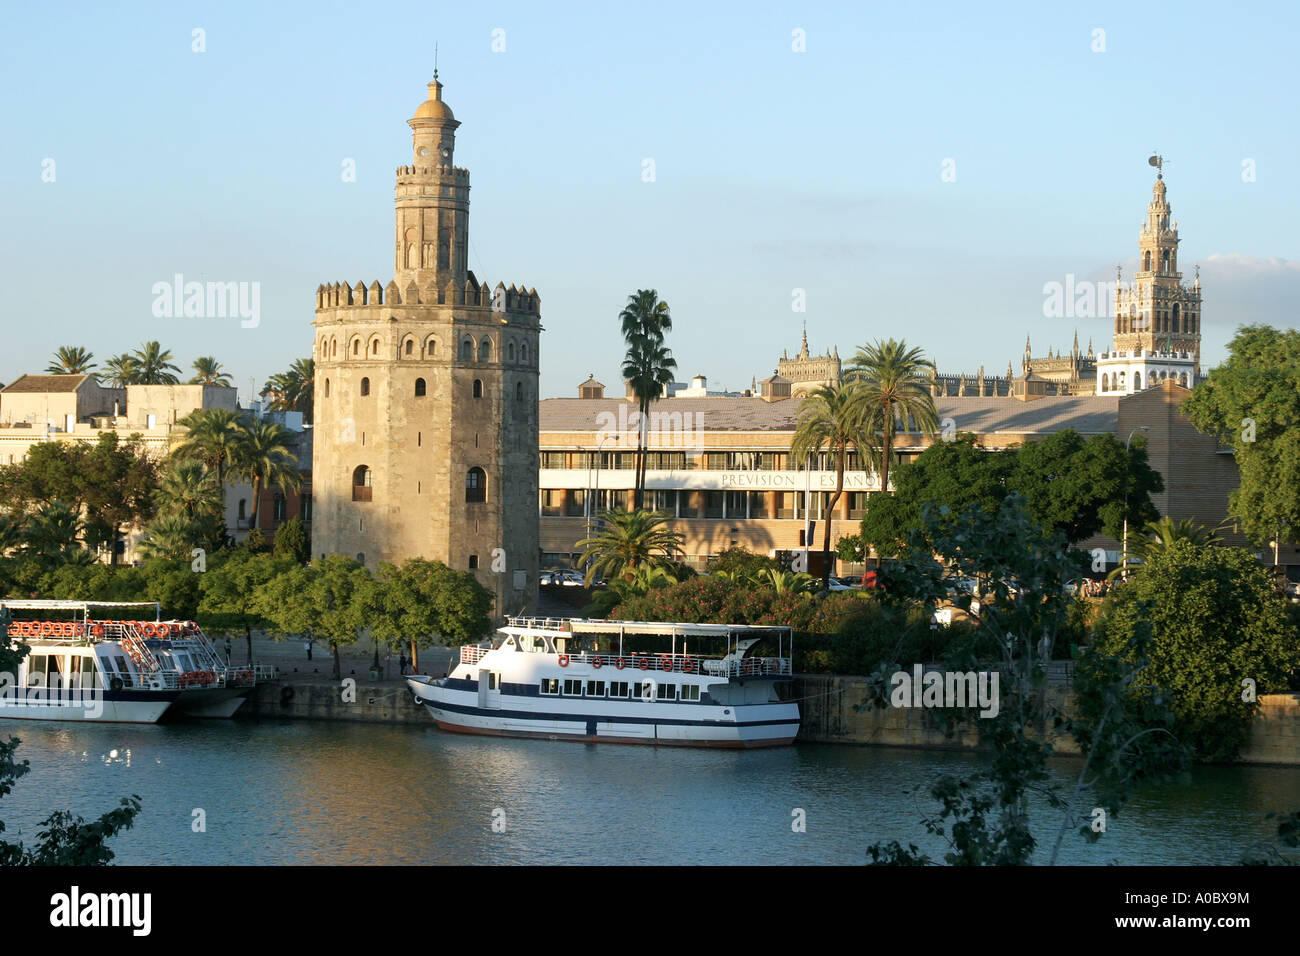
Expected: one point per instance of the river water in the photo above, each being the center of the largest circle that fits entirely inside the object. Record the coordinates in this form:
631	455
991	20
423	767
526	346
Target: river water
271	792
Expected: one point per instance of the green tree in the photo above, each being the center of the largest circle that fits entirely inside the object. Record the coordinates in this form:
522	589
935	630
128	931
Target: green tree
1251	403
70	360
119	489
740	561
153	365
331	599
216	437
648	366
171	536
52	532
895	391
266	459
422	602
293	390
208	371
121	371
985	816
292	541
1080	486
189	491
1215	621
626	540
231	591
833	418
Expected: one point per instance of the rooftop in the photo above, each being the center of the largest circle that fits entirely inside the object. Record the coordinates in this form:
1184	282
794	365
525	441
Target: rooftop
46	383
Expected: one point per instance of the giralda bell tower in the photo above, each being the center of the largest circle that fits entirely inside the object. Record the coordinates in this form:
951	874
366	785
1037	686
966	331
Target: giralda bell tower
425	439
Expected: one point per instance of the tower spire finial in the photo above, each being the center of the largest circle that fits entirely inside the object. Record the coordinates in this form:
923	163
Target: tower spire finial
435	62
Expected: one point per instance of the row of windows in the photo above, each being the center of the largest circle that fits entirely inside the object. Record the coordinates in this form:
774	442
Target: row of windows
646	690
695	461
421	389
363	481
572	503
1116	382
328	348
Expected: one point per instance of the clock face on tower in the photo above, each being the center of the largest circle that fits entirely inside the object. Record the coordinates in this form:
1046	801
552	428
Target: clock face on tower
424	150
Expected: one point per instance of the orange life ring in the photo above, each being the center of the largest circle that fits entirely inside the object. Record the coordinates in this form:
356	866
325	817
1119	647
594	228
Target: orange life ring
47	628
665	662
596	662
564	660
97	630
688	665
619	663
643	663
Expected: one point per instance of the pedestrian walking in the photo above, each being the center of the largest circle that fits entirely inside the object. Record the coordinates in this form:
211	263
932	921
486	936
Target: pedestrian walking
227	650
402	662
307	648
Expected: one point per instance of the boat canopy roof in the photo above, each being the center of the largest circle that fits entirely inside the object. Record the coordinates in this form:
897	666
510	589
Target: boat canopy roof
579	626
51	605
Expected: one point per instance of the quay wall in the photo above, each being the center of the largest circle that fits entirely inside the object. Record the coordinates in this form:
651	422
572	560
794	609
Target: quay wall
826	705
828	715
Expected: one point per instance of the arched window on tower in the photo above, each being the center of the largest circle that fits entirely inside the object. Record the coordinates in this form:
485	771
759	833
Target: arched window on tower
1176	328
485	351
419	387
365	386
374	346
467	349
356	346
1137	381
1105	383
519	391
510	352
1164	261
523	353
1146	261
429	346
362	483
409	349
475	485
327	388
478	388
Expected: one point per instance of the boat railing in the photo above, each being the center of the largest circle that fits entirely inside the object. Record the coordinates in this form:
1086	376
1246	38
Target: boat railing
539	623
688	664
472	653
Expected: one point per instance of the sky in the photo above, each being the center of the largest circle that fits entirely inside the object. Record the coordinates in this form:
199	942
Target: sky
915	171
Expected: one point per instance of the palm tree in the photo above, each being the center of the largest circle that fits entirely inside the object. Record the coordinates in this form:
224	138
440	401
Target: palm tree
188	490
216	437
70	360
785	582
292	390
648	366
628	541
207	371
834	418
121	371
895	388
11	533
170	536
52	530
153	365
1158	537
267	459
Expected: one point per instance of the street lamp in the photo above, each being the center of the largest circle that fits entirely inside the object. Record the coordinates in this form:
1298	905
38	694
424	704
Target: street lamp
1124	563
599	446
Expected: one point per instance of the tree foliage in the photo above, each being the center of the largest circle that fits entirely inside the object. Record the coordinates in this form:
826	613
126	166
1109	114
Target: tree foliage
1251	403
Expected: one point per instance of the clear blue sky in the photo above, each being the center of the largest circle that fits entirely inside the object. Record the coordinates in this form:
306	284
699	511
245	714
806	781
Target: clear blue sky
775	169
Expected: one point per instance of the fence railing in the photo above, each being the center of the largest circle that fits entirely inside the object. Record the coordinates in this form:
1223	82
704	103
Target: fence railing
663	663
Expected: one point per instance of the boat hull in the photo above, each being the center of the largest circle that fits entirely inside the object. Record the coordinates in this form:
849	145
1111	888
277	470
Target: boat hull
112	707
737	727
216	703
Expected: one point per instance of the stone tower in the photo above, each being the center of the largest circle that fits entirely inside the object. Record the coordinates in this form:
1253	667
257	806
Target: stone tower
426	388
1157	318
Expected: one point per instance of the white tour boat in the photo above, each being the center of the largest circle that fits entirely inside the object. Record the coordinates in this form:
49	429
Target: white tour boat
565	679
84	667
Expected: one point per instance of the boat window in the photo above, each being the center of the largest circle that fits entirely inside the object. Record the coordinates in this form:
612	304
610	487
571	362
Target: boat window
550	686
647	690
494	680
36	670
619	688
572	687
690	692
667	692
89	673
54	677
595	688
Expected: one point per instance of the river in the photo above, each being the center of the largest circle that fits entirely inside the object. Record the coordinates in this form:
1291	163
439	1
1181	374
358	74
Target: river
272	792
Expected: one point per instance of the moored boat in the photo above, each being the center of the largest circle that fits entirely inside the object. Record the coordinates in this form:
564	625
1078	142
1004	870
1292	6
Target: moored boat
570	679
82	666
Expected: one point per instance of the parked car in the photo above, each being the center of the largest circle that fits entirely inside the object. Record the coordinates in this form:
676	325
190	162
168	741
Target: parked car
835	584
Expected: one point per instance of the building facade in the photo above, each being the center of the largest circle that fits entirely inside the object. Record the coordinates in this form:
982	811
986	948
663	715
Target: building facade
426	438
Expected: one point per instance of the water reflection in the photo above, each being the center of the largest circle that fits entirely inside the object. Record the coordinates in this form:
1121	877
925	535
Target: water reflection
316	793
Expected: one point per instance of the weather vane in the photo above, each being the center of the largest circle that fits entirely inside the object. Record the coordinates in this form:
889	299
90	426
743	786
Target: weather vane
1158	162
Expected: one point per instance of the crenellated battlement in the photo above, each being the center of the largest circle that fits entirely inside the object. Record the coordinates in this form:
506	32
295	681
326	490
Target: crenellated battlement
457	173
515	299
